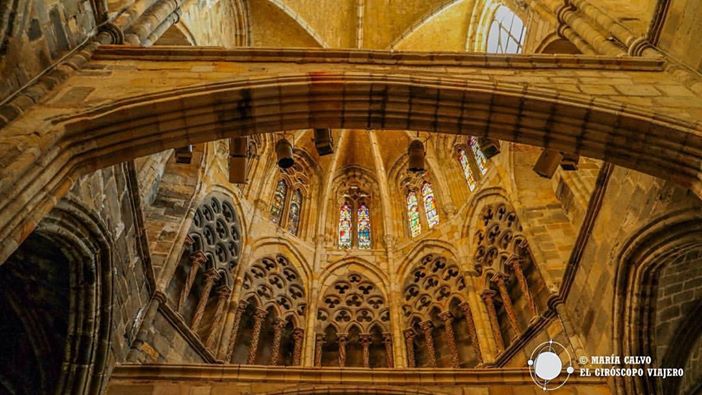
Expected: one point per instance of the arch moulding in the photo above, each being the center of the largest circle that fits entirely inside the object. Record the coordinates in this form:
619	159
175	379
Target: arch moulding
42	154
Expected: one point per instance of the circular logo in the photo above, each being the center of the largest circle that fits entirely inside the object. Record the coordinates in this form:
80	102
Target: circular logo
546	365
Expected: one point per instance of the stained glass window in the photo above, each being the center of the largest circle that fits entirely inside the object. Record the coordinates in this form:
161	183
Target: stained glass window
430	205
413	214
467	172
294	212
478	154
281	190
345	226
364	226
507	32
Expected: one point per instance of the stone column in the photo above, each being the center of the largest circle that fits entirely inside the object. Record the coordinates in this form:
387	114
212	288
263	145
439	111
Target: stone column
235	329
488	297
365	343
210	278
409	343
429	342
196	260
516	266
447	319
319	342
387	341
298	337
277	335
341	339
259	316
499	280
222	298
471	329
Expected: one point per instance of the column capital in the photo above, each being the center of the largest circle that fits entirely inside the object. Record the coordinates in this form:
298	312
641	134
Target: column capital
298	333
425	325
387	337
280	324
409	333
198	257
260	313
365	338
488	295
243	304
446	316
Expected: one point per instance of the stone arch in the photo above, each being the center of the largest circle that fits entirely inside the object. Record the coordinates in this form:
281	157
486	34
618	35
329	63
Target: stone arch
86	245
228	191
424	247
356	264
555	44
640	262
270	245
568	122
353	305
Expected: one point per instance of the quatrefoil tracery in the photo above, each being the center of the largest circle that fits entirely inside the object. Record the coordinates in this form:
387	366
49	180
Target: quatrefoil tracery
353	300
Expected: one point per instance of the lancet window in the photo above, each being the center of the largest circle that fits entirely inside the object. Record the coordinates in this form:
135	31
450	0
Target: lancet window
507	32
355	227
288	201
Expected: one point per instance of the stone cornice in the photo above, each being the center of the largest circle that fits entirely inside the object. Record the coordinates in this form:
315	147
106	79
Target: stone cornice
294	375
368	57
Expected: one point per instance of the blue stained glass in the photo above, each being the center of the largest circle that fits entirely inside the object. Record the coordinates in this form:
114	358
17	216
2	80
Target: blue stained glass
430	205
364	227
345	226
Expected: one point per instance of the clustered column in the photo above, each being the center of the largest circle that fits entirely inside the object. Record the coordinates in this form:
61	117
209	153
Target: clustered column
196	260
298	337
409	343
235	328
277	335
488	297
259	316
365	344
465	307
223	294
342	350
429	342
387	341
210	278
499	280
318	350
447	319
516	266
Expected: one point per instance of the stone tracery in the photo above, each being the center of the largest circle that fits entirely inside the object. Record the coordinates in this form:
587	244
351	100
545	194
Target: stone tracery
273	298
434	297
353	321
503	261
213	250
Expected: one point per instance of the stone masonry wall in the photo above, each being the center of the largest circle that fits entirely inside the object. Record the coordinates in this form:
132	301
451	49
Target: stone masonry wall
37	34
106	193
